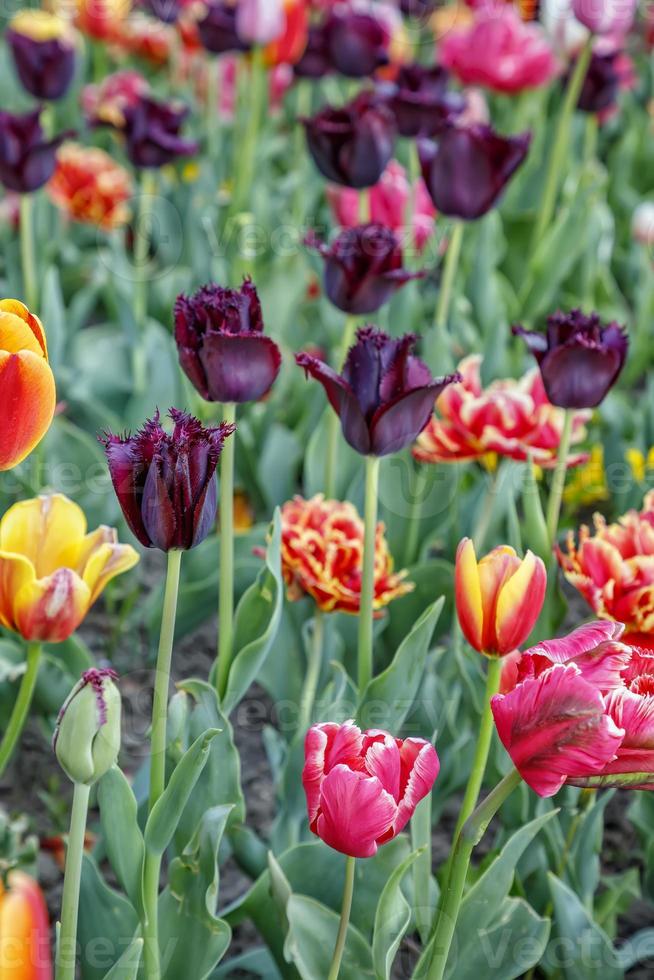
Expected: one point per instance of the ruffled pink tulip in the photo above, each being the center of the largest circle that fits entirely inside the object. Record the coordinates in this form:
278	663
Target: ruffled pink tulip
581	712
363	787
499	51
389	204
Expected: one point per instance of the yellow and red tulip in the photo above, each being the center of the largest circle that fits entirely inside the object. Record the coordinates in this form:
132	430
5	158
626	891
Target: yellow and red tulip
499	598
89	187
24	930
51	570
27	386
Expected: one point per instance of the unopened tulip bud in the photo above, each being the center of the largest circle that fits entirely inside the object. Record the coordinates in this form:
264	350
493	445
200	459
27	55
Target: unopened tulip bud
87	736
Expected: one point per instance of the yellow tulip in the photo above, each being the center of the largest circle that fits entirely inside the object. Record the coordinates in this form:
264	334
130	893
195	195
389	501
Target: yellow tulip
51	570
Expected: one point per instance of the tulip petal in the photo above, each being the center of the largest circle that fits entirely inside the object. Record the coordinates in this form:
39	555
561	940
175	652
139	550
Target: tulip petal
48	530
383	761
239	368
593	648
469	606
355	811
27	404
420	768
519	603
326	746
104	560
18	334
556	727
50	609
399	423
15	572
342	399
24	930
16	308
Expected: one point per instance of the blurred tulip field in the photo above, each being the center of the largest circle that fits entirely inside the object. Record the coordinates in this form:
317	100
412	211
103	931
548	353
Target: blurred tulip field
327	490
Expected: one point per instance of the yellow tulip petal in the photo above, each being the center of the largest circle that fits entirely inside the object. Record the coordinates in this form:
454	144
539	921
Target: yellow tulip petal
19	310
27	404
519	603
106	562
468	594
49	530
15	572
50	609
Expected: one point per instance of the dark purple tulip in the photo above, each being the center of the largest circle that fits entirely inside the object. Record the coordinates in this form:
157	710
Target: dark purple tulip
417	8
167	11
384	396
222	349
419	100
217	29
602	82
315	62
352	145
363	267
357	43
467	167
166	484
45	68
580	359
151	130
27	160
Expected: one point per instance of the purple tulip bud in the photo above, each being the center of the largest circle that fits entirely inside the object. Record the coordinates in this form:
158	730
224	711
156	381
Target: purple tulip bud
419	100
217	29
315	62
166	484
44	53
151	129
602	82
352	145
467	168
357	42
167	11
605	16
27	160
363	267
580	359
222	349
384	396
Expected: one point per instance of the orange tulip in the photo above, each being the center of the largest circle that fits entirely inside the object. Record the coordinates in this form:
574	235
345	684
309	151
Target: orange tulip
24	930
499	598
27	387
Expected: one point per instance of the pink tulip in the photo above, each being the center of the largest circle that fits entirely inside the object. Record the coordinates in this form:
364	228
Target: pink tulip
499	51
260	21
605	16
363	787
389	204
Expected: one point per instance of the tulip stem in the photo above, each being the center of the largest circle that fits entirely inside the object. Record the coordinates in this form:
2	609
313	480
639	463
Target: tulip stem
213	129
314	666
226	591
333	424
247	147
471	833
67	945
476	778
449	275
28	253
346	908
21	705
561	138
142	240
558	479
366	605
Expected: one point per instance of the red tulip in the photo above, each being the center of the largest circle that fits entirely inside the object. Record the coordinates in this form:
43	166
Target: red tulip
24	930
362	787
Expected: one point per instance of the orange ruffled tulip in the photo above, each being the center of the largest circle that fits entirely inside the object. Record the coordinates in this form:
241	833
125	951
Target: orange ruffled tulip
51	570
614	570
90	187
322	556
24	930
27	386
499	598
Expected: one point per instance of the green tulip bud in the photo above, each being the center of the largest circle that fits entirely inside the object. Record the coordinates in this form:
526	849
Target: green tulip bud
87	735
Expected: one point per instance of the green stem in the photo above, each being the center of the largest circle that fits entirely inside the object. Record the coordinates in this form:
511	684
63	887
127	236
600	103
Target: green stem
421	838
28	252
226	591
21	706
483	524
314	666
476	778
67	945
150	925
366	607
472	832
247	148
418	480
558	478
334	423
449	276
346	908
142	239
212	122
556	166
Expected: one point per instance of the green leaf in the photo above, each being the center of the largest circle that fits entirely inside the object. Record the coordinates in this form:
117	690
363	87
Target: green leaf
583	950
256	962
312	931
391	920
121	833
164	818
388	698
256	622
636	949
505	949
107	923
127	967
